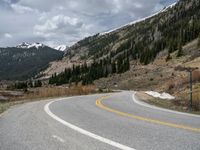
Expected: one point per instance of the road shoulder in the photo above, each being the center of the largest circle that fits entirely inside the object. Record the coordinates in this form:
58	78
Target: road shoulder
164	105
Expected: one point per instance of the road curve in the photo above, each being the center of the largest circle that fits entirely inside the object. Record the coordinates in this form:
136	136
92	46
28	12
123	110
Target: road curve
96	122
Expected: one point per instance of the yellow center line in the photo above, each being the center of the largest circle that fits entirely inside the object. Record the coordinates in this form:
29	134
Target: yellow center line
99	104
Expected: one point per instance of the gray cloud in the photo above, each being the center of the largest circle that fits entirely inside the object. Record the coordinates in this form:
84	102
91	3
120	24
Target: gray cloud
57	22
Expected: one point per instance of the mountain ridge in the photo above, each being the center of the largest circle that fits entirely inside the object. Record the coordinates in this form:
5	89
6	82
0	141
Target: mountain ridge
139	20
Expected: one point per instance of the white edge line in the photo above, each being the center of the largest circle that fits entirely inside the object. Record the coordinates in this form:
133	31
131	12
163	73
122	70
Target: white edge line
82	131
158	108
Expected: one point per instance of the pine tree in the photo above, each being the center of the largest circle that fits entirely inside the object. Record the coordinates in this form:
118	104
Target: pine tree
180	44
168	57
173	44
180	50
38	83
119	65
114	70
21	85
128	64
30	83
53	79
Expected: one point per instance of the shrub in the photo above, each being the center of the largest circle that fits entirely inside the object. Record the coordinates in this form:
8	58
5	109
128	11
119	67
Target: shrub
151	79
196	101
168	57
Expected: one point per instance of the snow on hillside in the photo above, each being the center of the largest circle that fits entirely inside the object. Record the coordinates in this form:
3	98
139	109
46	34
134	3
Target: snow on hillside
25	45
61	47
140	20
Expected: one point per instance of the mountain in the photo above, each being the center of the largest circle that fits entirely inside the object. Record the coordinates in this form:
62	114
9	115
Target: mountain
151	35
162	36
26	60
61	48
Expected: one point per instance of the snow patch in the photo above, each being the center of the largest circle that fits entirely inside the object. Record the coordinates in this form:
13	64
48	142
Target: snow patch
36	45
61	47
160	95
25	45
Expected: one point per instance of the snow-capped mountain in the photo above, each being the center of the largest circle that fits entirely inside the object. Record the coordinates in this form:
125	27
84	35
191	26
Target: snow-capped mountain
25	45
61	48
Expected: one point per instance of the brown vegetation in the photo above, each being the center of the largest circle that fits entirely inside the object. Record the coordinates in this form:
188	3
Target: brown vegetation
18	97
60	91
196	100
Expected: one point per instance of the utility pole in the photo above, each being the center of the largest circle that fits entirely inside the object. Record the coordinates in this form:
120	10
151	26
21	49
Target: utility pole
190	76
190	70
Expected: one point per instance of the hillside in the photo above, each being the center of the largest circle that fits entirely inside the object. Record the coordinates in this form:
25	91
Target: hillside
25	61
133	47
174	25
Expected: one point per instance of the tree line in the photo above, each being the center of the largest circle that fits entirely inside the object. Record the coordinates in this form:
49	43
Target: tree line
87	73
27	84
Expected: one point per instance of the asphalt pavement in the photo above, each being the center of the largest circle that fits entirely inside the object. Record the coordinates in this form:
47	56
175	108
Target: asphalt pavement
96	122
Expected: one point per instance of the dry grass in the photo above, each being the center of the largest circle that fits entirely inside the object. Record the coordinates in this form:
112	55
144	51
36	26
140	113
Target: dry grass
196	100
43	93
59	92
4	106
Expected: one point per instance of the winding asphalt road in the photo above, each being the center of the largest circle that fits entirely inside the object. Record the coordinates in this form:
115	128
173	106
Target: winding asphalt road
96	122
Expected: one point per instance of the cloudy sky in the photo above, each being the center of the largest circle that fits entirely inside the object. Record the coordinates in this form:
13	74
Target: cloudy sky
56	22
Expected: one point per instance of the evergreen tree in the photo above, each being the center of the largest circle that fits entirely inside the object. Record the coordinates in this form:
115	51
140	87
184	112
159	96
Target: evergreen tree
180	44
168	57
180	50
114	69
173	44
128	64
119	65
38	83
21	85
30	83
53	79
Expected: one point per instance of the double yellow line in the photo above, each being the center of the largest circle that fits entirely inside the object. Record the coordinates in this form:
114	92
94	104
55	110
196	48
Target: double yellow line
99	104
